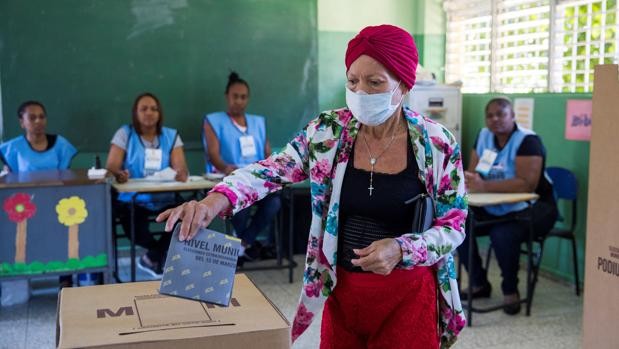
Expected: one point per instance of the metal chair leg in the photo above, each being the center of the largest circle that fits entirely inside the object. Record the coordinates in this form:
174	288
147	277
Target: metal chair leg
575	260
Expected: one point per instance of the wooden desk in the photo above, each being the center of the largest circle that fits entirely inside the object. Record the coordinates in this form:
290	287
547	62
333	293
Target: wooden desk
143	186
54	222
140	186
489	199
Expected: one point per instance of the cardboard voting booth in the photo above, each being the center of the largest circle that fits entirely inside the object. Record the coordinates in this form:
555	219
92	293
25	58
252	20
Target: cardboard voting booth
601	307
136	315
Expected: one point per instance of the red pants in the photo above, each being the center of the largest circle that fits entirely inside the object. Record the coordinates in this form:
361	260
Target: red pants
368	310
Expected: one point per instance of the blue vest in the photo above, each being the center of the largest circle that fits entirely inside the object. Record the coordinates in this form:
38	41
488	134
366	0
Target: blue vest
135	155
228	135
504	166
19	156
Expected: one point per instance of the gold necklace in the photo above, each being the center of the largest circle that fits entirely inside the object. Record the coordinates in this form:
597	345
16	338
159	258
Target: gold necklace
373	159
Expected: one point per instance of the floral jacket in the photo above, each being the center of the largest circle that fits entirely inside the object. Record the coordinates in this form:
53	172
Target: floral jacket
320	152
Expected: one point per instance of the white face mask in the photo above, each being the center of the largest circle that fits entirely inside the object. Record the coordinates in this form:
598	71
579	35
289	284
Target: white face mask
371	110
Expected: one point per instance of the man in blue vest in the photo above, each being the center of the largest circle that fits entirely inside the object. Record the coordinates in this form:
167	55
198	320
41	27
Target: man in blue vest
234	139
507	158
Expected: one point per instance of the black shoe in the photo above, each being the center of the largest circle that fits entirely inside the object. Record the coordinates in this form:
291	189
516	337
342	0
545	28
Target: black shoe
512	308
253	251
65	281
484	292
268	252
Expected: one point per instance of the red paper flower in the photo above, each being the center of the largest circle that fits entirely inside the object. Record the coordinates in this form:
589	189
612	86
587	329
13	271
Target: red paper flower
19	207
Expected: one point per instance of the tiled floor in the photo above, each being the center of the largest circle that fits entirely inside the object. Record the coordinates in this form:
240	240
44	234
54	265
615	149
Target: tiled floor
555	321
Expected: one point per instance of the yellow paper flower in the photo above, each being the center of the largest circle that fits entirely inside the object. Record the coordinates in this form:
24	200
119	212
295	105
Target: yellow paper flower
71	211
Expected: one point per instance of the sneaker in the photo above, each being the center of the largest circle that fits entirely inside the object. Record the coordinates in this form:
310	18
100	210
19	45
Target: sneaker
150	268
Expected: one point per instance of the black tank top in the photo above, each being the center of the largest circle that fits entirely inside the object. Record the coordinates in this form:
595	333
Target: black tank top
364	218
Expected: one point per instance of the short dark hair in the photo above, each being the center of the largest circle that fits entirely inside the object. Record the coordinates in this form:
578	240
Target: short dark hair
502	102
22	107
134	118
234	78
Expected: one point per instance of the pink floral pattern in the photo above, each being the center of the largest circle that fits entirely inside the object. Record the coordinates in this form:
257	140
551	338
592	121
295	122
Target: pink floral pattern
321	170
304	319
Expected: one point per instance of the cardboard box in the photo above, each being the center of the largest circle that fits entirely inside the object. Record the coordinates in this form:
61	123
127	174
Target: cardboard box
135	315
601	307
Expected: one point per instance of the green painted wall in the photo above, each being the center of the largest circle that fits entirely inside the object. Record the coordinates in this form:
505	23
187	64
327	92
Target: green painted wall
86	60
549	124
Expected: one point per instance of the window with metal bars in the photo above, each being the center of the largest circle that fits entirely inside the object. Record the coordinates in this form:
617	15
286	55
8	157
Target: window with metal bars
585	34
525	46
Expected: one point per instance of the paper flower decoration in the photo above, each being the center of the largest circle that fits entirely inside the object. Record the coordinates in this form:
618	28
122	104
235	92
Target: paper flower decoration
19	207
72	212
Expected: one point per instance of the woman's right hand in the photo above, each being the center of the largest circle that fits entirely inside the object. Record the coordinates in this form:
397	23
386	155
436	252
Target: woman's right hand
229	169
194	215
122	176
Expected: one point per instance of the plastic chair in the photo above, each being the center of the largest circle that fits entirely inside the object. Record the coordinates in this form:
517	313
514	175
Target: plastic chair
565	186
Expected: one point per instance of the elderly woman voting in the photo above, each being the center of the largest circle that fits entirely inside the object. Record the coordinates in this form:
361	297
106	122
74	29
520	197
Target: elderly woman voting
382	284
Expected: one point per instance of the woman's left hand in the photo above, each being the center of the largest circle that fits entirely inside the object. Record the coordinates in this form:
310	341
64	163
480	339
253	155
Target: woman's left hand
380	257
181	176
474	182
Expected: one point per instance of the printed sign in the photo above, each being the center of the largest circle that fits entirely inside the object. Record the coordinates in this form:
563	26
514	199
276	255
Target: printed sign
578	114
523	108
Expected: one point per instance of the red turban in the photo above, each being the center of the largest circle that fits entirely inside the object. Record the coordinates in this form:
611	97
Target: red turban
393	47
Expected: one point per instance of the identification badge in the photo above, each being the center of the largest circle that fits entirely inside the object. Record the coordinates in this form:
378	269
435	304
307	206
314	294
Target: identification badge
485	162
153	159
248	146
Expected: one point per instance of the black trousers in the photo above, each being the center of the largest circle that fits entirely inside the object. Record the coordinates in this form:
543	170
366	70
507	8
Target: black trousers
506	239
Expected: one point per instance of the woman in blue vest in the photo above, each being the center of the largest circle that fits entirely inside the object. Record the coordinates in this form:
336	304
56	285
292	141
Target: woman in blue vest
139	150
507	158
36	150
235	139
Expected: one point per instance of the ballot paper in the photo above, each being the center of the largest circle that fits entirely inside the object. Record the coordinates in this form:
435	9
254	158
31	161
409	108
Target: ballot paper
202	268
165	175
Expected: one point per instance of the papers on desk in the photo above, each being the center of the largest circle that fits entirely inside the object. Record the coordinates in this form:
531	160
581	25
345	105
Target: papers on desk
165	175
214	176
94	173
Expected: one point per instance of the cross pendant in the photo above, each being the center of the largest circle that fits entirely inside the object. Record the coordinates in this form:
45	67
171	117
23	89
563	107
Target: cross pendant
371	187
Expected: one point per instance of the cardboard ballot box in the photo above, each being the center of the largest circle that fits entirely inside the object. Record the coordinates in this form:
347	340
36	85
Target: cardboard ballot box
135	315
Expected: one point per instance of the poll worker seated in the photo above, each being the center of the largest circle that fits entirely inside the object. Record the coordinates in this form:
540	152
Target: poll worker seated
36	150
507	158
233	139
140	149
